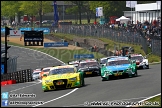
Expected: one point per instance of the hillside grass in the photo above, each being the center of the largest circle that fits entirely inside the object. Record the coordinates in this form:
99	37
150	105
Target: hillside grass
137	48
64	55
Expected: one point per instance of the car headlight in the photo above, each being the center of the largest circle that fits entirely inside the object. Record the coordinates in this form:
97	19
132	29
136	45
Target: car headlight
129	69
108	73
73	79
48	81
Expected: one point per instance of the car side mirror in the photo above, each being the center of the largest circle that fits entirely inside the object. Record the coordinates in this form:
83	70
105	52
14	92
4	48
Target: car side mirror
145	57
133	61
102	65
45	75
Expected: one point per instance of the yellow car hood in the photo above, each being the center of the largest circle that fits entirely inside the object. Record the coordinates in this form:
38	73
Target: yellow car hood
61	76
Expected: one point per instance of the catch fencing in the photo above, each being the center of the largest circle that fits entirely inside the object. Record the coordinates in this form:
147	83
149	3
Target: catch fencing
20	76
116	34
12	64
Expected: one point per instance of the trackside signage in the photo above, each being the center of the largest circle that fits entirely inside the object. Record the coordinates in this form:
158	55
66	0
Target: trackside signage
56	44
15	32
79	56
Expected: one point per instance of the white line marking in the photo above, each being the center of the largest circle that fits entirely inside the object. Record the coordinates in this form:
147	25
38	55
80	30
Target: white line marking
39	52
112	100
24	87
57	98
146	99
32	82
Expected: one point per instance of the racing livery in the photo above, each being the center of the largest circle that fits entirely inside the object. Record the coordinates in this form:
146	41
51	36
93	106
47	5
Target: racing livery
141	61
104	59
119	66
44	71
90	67
61	77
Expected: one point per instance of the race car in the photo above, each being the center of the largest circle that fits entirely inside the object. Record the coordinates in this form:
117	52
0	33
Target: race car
75	63
36	74
44	71
90	67
141	61
119	66
104	59
61	77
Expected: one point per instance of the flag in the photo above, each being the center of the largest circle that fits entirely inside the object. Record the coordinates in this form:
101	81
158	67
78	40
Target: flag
131	4
99	11
158	2
96	12
56	18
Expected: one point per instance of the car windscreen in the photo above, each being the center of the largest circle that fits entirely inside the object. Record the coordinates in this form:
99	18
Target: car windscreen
36	73
118	62
103	61
88	64
61	71
136	58
46	70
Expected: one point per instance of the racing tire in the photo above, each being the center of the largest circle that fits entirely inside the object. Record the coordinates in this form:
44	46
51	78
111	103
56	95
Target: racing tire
44	90
83	83
147	66
104	79
136	74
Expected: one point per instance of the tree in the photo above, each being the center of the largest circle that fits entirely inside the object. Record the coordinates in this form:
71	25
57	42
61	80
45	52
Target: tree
80	5
10	8
73	10
110	8
34	8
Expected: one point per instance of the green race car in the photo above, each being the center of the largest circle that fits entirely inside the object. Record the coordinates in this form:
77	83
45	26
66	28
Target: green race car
118	66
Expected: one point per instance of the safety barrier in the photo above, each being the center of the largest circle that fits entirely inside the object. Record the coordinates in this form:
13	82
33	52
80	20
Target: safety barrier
19	76
12	64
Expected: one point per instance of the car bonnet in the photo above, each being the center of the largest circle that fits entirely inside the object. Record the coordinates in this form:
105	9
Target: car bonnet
118	67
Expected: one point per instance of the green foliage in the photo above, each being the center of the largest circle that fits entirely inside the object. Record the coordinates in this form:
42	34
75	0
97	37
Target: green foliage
110	8
73	10
9	8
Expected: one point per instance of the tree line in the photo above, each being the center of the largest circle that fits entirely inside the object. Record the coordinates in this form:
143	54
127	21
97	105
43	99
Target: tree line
39	8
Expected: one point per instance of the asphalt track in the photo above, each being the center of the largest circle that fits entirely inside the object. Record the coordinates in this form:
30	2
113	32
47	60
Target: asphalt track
29	59
148	83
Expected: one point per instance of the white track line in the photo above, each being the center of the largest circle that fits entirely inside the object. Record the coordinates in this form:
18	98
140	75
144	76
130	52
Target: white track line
39	52
145	99
57	97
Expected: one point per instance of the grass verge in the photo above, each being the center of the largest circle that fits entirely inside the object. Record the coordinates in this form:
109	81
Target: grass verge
61	54
153	102
137	48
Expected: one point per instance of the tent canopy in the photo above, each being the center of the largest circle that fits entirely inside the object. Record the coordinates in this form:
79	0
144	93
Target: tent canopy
123	18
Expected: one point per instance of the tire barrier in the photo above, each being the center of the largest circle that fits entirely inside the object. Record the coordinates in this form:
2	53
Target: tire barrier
19	76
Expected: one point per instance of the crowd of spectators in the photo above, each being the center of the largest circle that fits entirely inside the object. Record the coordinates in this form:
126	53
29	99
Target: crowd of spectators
150	30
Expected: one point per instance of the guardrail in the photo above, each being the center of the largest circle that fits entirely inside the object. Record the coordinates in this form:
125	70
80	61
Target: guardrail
12	64
118	35
20	76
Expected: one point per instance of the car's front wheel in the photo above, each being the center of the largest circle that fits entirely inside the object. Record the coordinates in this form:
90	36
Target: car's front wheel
147	66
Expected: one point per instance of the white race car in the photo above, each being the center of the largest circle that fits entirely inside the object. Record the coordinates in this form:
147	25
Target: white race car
36	74
75	63
104	60
141	62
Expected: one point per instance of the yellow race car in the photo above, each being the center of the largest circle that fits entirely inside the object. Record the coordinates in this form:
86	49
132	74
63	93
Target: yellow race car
61	77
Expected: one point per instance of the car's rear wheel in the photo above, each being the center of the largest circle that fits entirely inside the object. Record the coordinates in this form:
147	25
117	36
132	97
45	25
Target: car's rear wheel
83	83
147	66
44	90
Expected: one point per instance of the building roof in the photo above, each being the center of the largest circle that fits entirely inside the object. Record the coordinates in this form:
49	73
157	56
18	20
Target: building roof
63	3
